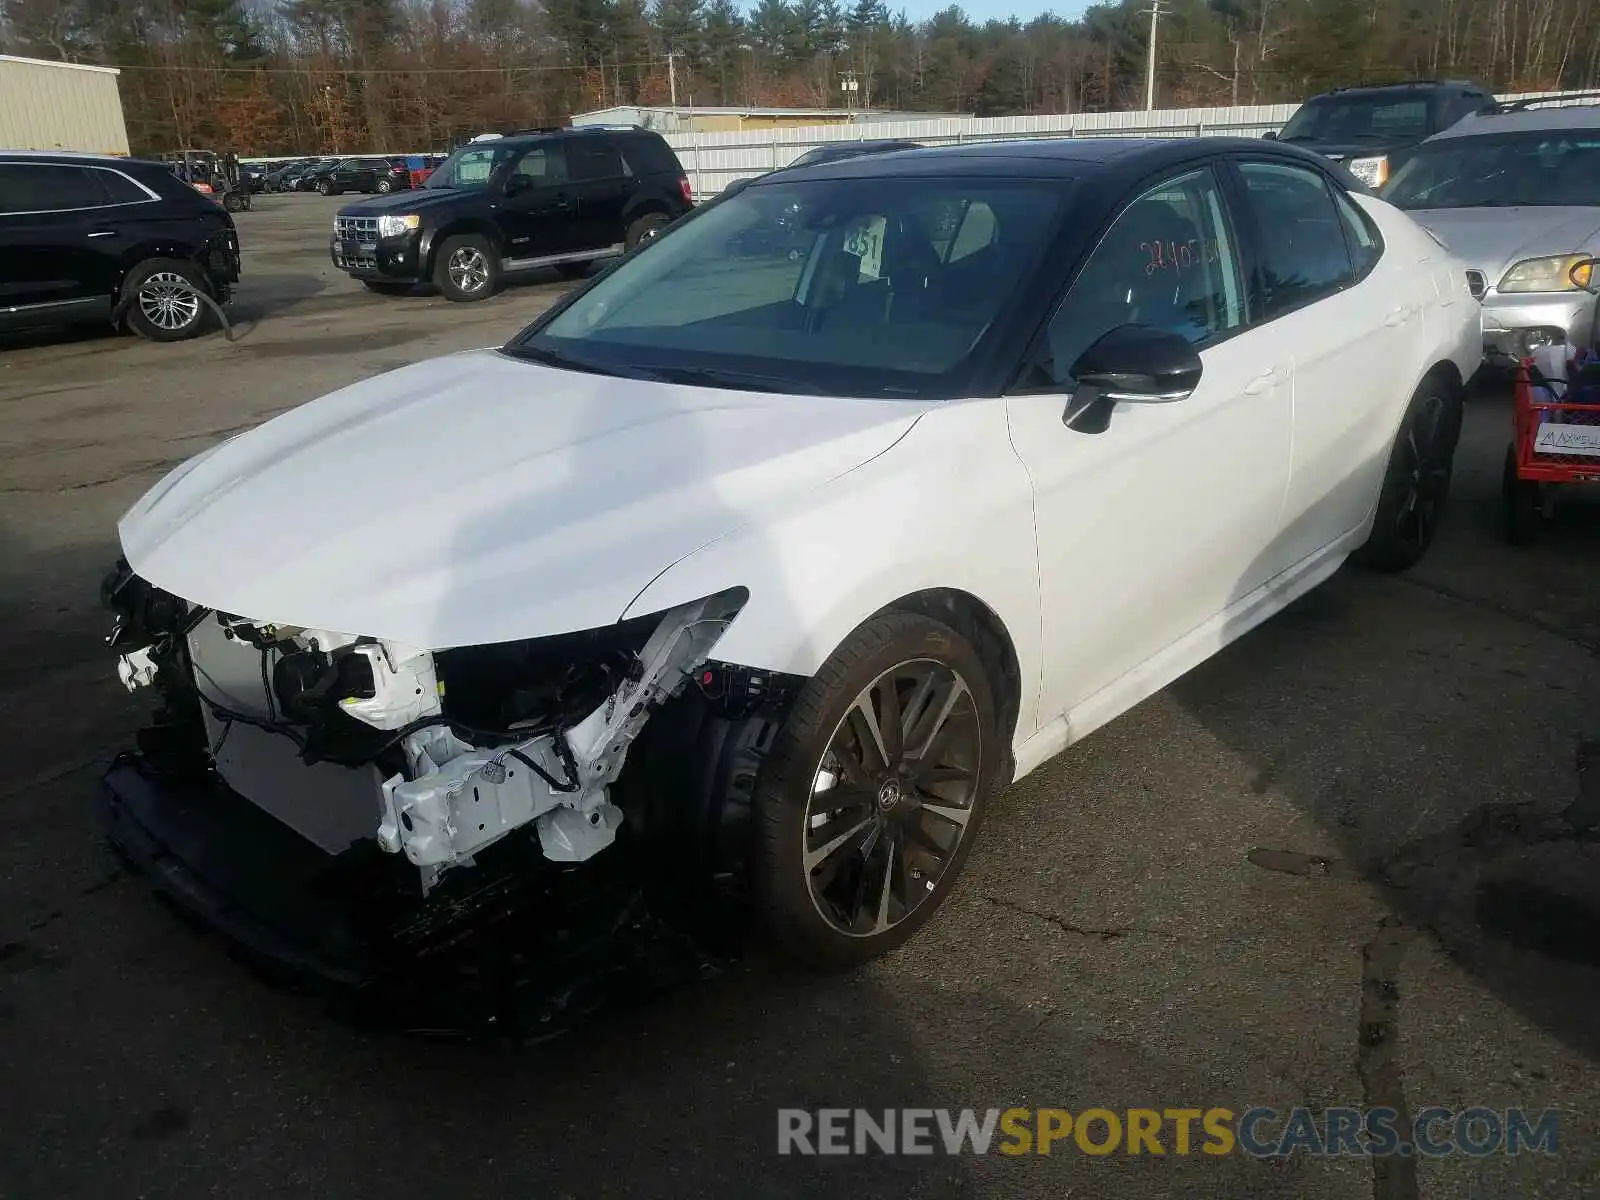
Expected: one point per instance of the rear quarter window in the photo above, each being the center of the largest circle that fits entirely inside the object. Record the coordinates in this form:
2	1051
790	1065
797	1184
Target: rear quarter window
1361	235
650	156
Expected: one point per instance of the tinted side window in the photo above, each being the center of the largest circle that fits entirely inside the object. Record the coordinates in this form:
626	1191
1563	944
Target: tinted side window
1170	260
1366	244
118	188
648	155
543	164
1300	238
46	187
593	158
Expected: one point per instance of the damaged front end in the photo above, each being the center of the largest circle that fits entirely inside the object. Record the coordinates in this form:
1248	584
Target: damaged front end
351	807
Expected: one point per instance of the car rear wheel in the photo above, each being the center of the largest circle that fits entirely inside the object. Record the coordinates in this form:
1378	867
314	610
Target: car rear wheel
385	187
467	269
645	228
1416	483
325	188
162	300
874	790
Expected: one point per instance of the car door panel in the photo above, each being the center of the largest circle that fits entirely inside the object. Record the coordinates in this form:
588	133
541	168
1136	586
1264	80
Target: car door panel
60	258
601	191
539	221
1154	526
1349	321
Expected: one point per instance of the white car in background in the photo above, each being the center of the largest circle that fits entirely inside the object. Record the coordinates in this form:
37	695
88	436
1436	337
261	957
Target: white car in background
769	571
1515	193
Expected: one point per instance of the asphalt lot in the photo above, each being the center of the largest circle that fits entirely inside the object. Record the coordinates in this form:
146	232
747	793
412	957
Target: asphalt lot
1340	864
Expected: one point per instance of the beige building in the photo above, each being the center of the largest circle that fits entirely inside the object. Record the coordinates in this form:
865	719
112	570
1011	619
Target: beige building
60	106
685	119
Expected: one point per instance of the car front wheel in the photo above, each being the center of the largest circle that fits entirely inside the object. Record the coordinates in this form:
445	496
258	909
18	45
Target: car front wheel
325	188
874	790
1416	482
467	268
385	187
162	300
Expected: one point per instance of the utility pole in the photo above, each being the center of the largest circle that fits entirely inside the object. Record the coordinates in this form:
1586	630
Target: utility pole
672	78
1150	60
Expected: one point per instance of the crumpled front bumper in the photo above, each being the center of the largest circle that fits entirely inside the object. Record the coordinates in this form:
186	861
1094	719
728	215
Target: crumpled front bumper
1515	325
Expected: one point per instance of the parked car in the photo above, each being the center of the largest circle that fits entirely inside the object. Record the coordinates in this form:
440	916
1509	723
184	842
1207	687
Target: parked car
93	238
1515	193
563	199
370	174
768	575
1373	130
307	178
278	177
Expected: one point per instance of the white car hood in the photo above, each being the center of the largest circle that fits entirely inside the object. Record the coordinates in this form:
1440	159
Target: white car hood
476	498
1494	239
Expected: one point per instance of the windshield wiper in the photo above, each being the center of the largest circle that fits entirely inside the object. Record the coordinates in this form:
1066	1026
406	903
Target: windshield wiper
741	380
567	362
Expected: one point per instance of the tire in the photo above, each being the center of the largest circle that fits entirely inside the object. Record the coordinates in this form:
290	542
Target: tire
466	269
1416	481
156	305
645	228
325	188
385	289
1519	499
385	187
834	909
573	270
231	202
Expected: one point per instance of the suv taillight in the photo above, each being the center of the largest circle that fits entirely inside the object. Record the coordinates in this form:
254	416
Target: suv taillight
688	192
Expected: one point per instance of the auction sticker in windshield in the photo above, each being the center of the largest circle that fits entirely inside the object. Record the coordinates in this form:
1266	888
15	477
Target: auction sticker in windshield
865	241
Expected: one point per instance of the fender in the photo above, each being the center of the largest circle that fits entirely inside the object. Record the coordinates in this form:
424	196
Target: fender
949	506
431	239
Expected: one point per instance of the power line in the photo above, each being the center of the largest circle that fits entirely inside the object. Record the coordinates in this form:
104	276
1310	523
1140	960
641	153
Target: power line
309	70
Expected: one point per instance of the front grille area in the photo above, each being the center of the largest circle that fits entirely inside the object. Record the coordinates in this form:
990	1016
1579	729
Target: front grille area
1477	284
356	240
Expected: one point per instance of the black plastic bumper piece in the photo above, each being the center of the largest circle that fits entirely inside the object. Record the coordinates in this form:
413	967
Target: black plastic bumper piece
515	947
234	868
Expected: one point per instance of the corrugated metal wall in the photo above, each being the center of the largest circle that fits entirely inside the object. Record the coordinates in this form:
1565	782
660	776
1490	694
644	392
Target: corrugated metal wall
54	106
714	160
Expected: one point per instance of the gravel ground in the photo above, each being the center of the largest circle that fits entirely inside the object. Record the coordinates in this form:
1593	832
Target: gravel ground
1337	865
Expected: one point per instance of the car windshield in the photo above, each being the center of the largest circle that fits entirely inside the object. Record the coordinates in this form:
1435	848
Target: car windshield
471	166
1358	119
1545	168
869	287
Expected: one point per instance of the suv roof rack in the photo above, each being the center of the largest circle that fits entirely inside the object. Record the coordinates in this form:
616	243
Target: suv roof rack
1566	100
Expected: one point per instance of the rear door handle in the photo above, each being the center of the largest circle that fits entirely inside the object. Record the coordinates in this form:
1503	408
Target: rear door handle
104	233
1266	381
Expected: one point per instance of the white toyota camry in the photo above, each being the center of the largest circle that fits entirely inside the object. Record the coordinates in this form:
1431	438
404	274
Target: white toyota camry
765	557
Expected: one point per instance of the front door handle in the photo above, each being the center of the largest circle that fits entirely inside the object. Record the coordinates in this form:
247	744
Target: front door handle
562	201
1399	315
1266	381
104	233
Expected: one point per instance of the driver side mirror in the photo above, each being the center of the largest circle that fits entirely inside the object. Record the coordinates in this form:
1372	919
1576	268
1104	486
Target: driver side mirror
518	184
1582	275
1270	135
1133	364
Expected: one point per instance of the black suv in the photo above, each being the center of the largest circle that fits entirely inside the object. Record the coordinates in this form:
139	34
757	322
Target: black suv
381	175
1373	130
86	237
560	198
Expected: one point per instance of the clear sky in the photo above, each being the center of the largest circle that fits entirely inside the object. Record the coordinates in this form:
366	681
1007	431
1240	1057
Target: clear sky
984	10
